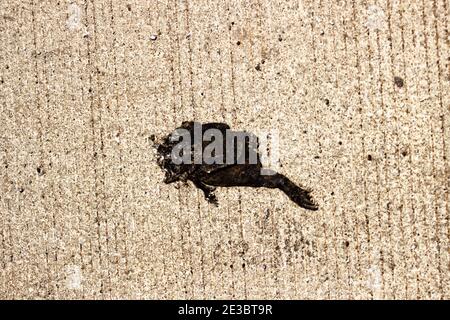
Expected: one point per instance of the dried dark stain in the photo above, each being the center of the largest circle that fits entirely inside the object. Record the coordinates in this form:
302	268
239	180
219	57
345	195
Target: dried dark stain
40	171
207	177
399	82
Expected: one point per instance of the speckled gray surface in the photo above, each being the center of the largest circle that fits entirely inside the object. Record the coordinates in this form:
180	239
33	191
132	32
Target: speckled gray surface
358	90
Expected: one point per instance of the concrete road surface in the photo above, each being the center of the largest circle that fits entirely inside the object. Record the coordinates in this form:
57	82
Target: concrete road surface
358	91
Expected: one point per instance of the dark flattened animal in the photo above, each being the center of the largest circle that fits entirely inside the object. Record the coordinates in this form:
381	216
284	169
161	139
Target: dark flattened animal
208	176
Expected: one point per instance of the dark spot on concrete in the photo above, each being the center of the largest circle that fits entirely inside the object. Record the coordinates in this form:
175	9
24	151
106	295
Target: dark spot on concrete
40	171
258	67
347	243
316	157
399	82
280	38
404	153
332	193
21	190
267	214
243	266
322	33
327	102
129	7
340	143
369	157
238	43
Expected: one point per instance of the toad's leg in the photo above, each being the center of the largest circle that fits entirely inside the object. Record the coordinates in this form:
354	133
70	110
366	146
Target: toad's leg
250	176
299	195
208	191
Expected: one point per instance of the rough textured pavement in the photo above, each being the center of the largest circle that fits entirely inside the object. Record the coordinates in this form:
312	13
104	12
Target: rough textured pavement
358	90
